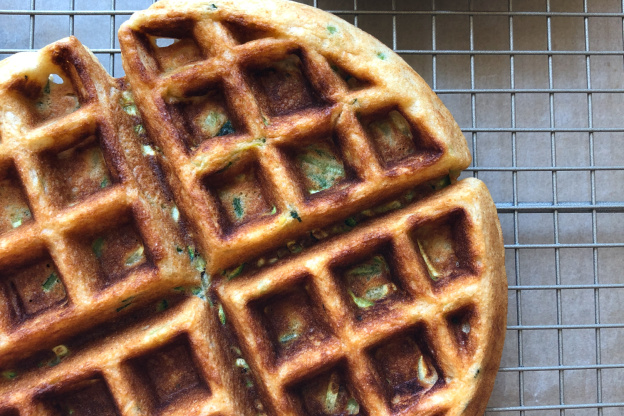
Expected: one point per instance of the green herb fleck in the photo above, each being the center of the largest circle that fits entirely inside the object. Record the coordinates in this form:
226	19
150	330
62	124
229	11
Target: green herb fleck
289	336
331	29
179	249
139	129
369	269
97	246
433	273
191	252
377	293
175	213
213	6
351	222
294	247
46	89
200	263
226	167
226	129
163	305
241	363
9	374
221	314
331	396
441	183
105	182
477	373
265	121
238	207
361	302
274	210
234	273
381	56
353	407
198	291
50	282
61	351
148	150
122	307
295	215
131	110
135	257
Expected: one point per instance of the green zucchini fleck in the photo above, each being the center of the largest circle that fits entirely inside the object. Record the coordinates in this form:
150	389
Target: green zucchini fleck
331	29
361	302
139	129
234	273
238	207
135	257
433	273
353	407
287	337
351	222
97	246
162	305
9	374
226	129
221	314
295	215
50	282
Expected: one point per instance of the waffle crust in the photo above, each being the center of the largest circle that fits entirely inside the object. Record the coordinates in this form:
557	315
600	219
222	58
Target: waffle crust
261	218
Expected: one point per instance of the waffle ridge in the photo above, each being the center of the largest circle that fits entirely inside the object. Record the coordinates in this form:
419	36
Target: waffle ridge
254	220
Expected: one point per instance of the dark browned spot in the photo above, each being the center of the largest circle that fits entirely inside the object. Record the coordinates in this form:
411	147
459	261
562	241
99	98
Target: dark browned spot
242	195
293	320
33	288
444	247
397	140
406	368
56	98
283	88
76	173
462	324
329	394
88	398
169	375
205	116
243	32
118	251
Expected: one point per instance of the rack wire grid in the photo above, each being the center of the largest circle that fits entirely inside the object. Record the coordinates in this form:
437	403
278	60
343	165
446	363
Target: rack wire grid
538	89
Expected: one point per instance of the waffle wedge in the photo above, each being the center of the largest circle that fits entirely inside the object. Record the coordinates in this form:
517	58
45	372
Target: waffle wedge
261	218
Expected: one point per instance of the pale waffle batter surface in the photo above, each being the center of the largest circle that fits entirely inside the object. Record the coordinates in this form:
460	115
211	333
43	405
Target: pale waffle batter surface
261	218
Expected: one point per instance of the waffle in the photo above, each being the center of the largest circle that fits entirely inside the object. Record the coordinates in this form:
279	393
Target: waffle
261	218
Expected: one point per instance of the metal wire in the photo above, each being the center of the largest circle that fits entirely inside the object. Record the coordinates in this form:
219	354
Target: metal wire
515	391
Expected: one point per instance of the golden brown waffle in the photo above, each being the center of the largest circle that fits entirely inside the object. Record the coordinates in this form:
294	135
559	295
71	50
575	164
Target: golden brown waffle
281	87
402	316
87	238
304	161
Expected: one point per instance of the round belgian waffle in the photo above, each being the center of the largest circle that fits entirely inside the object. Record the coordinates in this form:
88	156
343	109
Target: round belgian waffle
260	218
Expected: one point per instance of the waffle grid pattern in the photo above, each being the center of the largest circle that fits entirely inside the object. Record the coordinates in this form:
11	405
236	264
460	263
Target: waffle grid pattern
271	127
184	343
345	335
73	294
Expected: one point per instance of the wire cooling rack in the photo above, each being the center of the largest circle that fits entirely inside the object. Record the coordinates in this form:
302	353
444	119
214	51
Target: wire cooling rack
538	89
